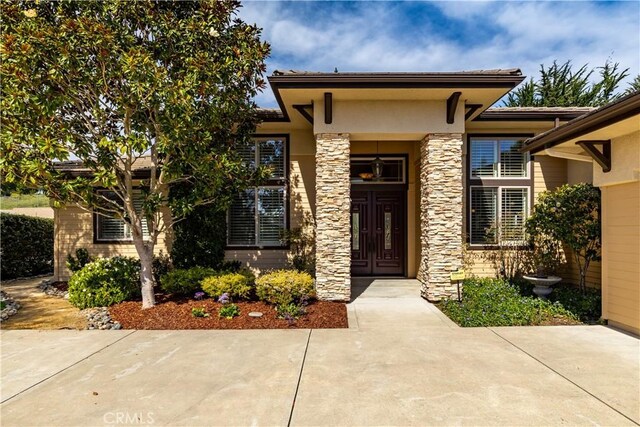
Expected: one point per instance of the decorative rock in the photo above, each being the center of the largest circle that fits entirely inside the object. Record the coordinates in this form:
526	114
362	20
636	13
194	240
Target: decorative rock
99	318
11	307
47	287
333	225
255	314
440	214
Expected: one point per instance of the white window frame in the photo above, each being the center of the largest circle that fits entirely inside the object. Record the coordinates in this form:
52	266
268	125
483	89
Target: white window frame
497	140
256	241
128	237
498	211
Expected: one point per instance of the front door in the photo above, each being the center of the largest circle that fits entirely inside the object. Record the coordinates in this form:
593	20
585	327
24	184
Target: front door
377	232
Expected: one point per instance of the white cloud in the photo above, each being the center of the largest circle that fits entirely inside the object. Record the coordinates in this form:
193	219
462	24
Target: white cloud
379	36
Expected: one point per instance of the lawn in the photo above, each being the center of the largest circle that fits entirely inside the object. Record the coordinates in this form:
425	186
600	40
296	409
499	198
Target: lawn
24	201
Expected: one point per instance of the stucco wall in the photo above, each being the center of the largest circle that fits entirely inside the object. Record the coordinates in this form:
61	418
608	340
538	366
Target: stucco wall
625	161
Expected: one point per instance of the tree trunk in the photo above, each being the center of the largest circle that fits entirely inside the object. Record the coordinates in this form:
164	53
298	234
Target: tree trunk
145	252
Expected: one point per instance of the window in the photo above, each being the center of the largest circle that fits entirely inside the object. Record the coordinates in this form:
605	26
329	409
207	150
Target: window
257	216
393	170
109	229
499	191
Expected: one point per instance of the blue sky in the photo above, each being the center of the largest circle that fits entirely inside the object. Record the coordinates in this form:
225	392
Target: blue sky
444	36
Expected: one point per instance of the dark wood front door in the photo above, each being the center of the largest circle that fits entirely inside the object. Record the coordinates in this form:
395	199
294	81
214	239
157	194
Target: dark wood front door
377	232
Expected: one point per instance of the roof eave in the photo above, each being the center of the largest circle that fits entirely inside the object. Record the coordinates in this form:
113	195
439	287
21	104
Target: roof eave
586	123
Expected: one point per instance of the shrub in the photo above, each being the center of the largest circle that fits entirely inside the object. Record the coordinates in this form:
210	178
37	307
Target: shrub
27	246
200	239
185	281
587	305
494	302
229	311
231	266
161	266
571	215
199	312
104	282
291	311
284	287
237	285
81	259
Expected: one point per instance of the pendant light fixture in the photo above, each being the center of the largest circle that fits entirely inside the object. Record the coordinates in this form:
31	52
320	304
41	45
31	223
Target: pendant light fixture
377	164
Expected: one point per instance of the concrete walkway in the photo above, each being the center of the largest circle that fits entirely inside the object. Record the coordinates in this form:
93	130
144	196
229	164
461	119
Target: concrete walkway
402	363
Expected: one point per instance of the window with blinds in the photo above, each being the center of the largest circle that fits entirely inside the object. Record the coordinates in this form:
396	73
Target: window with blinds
497	158
498	213
109	229
484	209
257	217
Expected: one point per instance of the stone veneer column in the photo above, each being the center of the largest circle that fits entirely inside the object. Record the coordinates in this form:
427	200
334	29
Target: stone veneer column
333	223
441	213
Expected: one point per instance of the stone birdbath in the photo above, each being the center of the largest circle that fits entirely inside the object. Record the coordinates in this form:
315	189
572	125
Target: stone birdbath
542	284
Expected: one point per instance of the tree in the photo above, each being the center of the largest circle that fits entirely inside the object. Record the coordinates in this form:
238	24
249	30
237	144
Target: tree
560	86
571	215
634	86
111	83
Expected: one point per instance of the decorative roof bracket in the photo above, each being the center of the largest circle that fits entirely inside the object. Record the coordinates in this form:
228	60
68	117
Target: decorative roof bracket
603	158
452	104
471	109
302	109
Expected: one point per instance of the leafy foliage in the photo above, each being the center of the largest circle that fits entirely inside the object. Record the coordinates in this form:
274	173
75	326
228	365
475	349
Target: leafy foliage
229	311
162	265
236	285
571	215
27	246
284	287
301	241
200	239
560	86
185	281
199	312
82	258
104	282
587	306
494	302
634	86
122	84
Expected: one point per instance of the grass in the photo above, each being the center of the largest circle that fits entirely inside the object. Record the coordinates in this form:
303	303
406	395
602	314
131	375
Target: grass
24	201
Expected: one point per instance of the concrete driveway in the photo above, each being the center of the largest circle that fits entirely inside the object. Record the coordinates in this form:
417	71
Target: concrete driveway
401	363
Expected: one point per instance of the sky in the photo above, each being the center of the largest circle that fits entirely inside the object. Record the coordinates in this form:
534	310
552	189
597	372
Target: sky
444	36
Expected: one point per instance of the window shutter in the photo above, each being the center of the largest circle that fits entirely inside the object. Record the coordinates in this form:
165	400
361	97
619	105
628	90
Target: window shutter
270	216
137	204
484	206
513	163
242	220
483	158
514	211
272	155
111	228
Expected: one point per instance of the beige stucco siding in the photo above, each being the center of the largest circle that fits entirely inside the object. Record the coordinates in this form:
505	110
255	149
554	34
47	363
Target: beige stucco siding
621	255
73	229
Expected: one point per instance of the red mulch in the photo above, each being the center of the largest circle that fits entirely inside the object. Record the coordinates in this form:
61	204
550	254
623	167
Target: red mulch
174	313
61	286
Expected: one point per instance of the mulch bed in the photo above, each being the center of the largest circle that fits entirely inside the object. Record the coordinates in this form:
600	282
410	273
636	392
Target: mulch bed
174	313
61	286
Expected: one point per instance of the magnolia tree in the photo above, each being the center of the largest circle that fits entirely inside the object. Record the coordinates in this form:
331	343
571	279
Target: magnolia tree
118	85
571	215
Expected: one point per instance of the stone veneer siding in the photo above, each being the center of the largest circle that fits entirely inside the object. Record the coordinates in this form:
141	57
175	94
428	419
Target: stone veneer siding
441	213
333	223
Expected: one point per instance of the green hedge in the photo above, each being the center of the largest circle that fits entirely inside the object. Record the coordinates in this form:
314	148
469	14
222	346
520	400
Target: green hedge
27	246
